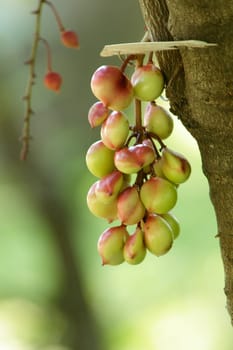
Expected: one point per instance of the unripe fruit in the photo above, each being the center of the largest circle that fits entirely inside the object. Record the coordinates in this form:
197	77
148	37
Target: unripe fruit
130	209
157	168
173	222
158	195
70	39
110	245
100	159
112	87
175	166
115	130
148	82
97	114
158	121
157	235
106	210
134	249
131	160
109	186
53	81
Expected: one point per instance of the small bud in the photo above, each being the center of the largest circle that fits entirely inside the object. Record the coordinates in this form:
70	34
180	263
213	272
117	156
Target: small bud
70	39
53	81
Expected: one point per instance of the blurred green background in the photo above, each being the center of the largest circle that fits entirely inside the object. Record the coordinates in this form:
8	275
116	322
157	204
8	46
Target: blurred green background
54	293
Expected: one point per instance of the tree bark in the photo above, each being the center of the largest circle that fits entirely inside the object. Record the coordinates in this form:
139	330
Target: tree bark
200	91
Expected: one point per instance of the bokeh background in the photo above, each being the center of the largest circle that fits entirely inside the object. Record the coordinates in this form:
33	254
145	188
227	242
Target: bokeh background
54	293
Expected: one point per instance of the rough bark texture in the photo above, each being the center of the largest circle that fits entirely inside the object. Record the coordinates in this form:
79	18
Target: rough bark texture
200	90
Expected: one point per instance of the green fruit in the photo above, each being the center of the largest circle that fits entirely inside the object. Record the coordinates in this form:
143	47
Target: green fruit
175	166
106	209
173	222
100	159
148	82
158	195
158	121
134	249
110	245
157	235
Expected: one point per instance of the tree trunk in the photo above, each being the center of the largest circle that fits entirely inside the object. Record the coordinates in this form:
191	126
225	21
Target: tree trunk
200	91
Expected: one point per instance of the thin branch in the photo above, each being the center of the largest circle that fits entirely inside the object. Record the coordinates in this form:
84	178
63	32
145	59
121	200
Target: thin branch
31	81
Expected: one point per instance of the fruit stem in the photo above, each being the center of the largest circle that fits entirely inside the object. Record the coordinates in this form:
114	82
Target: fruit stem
150	58
154	136
49	56
25	138
138	116
56	14
126	62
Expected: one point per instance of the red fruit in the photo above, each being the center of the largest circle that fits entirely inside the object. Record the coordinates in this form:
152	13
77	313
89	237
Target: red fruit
97	114
53	81
115	130
112	87
131	160
130	209
70	39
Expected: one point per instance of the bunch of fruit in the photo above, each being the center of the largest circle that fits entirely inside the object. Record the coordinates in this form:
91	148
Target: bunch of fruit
138	175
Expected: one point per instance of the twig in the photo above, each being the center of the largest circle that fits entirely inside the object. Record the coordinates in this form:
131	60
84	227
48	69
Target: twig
31	81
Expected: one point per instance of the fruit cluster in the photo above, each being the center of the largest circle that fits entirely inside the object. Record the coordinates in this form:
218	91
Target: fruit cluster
137	173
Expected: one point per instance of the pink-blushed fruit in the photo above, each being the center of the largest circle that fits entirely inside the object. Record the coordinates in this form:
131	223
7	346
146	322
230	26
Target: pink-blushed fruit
110	245
134	249
106	210
109	186
157	235
97	114
158	121
53	81
100	159
131	160
130	209
158	195
112	87
70	39
175	166
115	130
148	82
173	222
